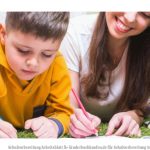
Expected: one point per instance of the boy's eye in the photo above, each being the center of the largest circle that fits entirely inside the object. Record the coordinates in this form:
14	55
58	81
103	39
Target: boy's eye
22	51
47	55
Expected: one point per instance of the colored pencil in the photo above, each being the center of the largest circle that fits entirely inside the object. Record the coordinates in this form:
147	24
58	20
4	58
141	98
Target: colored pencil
82	108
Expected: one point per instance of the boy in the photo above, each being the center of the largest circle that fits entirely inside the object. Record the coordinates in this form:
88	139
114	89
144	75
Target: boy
34	81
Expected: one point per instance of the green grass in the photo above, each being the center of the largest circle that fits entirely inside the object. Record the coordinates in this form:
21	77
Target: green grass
103	127
25	134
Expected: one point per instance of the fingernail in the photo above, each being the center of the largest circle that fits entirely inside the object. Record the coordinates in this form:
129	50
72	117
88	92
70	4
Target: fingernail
96	134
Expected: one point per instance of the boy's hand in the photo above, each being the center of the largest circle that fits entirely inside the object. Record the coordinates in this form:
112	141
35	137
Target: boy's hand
81	126
42	127
7	130
123	124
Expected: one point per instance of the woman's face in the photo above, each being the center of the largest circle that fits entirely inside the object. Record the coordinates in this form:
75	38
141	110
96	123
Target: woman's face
122	25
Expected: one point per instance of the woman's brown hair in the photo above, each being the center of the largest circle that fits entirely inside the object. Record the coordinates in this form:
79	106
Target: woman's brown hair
137	81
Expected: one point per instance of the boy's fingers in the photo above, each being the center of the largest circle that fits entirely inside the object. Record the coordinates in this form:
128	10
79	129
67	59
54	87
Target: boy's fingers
11	132
33	124
28	124
45	135
8	129
4	135
40	131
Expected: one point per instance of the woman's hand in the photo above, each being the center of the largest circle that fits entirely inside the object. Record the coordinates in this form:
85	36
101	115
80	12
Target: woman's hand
123	124
7	130
42	127
81	126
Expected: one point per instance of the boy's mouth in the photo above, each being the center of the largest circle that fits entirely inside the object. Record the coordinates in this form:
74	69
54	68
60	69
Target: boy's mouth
29	71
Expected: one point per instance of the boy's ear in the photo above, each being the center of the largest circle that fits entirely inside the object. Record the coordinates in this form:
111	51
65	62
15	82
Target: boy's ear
2	34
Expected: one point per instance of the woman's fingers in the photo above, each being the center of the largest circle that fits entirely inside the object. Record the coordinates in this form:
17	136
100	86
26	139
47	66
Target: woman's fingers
73	134
78	132
78	125
123	124
125	121
78	129
113	124
95	120
130	128
135	131
82	125
84	119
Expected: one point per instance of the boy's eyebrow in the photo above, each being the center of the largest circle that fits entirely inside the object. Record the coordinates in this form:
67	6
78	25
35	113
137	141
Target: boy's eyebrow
18	44
51	50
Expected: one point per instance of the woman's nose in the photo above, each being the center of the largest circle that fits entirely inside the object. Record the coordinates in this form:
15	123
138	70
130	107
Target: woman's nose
130	16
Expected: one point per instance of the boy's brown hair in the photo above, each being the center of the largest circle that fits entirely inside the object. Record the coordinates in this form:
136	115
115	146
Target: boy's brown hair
40	24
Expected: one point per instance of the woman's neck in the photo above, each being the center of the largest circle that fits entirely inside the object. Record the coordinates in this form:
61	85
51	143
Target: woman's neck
116	47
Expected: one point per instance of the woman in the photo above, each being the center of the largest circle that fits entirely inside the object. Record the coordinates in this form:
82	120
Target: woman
108	59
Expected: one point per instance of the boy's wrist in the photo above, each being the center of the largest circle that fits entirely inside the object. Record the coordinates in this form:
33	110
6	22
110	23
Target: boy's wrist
59	126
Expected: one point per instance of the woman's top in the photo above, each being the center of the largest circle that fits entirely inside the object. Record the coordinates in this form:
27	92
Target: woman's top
75	50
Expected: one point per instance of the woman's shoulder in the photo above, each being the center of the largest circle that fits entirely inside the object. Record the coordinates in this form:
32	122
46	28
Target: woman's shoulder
88	17
83	23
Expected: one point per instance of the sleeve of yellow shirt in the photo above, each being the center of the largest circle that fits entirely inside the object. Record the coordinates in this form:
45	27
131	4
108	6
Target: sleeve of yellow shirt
58	101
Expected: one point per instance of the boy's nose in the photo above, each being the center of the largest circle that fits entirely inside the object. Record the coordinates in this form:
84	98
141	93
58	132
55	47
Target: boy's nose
130	16
32	62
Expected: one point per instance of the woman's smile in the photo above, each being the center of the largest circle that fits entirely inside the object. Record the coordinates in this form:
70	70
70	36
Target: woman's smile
121	27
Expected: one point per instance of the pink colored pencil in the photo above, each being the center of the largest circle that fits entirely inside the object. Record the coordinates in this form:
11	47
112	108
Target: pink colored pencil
82	107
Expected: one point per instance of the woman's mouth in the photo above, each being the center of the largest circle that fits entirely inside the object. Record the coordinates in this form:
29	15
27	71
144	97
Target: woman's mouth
121	27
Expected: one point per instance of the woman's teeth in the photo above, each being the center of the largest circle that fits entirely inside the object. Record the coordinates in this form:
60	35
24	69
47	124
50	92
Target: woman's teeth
122	27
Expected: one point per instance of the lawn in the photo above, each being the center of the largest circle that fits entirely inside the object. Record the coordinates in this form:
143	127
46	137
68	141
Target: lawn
102	131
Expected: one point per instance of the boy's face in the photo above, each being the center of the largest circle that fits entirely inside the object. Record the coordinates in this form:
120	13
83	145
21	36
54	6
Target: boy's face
27	55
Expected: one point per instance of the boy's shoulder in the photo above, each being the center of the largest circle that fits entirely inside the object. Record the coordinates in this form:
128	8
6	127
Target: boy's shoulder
58	65
58	60
59	56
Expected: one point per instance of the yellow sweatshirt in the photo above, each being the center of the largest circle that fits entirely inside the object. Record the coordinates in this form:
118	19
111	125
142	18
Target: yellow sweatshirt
46	95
